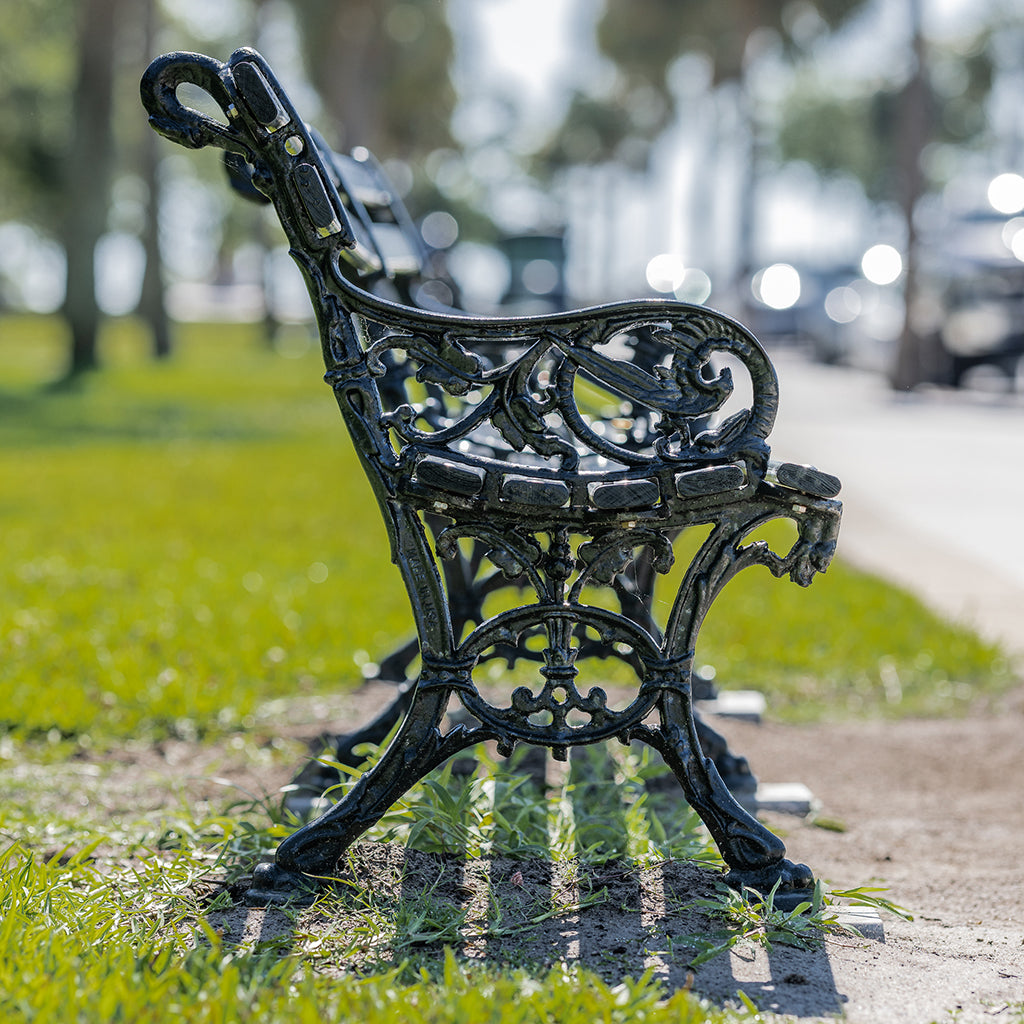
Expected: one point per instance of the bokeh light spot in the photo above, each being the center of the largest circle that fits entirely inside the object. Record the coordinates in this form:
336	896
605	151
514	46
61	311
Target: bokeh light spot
777	286
881	264
843	304
665	272
1006	193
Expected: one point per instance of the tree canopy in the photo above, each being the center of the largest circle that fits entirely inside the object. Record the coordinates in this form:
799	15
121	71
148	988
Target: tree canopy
643	39
36	75
841	129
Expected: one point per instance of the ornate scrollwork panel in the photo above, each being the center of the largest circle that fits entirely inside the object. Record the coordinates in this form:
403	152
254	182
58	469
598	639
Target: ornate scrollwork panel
542	459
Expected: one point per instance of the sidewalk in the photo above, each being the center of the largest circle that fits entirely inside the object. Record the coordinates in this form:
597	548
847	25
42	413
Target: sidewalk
933	495
933	488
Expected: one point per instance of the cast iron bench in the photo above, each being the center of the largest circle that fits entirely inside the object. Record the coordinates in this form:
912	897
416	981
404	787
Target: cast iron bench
533	474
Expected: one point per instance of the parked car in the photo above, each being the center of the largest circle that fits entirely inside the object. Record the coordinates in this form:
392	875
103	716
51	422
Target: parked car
975	285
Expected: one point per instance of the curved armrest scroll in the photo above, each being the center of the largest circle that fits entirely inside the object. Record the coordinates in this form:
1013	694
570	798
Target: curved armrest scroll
185	125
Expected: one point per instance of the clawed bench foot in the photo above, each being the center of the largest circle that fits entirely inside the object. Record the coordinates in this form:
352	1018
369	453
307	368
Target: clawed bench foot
793	884
272	886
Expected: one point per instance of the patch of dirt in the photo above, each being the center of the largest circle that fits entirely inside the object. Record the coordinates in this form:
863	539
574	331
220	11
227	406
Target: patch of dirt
613	918
931	810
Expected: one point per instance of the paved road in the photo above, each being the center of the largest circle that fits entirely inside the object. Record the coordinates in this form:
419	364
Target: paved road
933	488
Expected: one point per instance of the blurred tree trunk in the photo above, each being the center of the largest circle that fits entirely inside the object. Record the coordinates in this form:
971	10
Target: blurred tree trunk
914	363
383	71
343	44
750	167
152	306
87	176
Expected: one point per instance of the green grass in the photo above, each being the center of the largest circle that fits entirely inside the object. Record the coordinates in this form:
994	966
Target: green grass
118	920
182	543
85	946
184	548
124	920
850	645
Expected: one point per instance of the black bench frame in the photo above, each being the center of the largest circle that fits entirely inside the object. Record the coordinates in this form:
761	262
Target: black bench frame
533	474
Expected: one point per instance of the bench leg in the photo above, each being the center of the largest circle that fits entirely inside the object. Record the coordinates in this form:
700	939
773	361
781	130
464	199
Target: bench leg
733	768
755	856
309	857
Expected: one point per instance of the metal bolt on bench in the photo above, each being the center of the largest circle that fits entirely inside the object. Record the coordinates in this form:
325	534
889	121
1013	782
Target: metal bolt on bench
546	461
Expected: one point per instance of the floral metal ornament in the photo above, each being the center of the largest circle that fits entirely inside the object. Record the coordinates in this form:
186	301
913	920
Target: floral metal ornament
535	475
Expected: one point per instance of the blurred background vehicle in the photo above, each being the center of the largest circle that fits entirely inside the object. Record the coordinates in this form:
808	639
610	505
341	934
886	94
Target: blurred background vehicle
972	302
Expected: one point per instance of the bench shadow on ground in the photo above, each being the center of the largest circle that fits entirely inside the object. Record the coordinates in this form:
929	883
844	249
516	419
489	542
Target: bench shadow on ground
395	904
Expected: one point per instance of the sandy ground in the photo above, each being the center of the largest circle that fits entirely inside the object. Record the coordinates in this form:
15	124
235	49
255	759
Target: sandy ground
932	810
929	810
